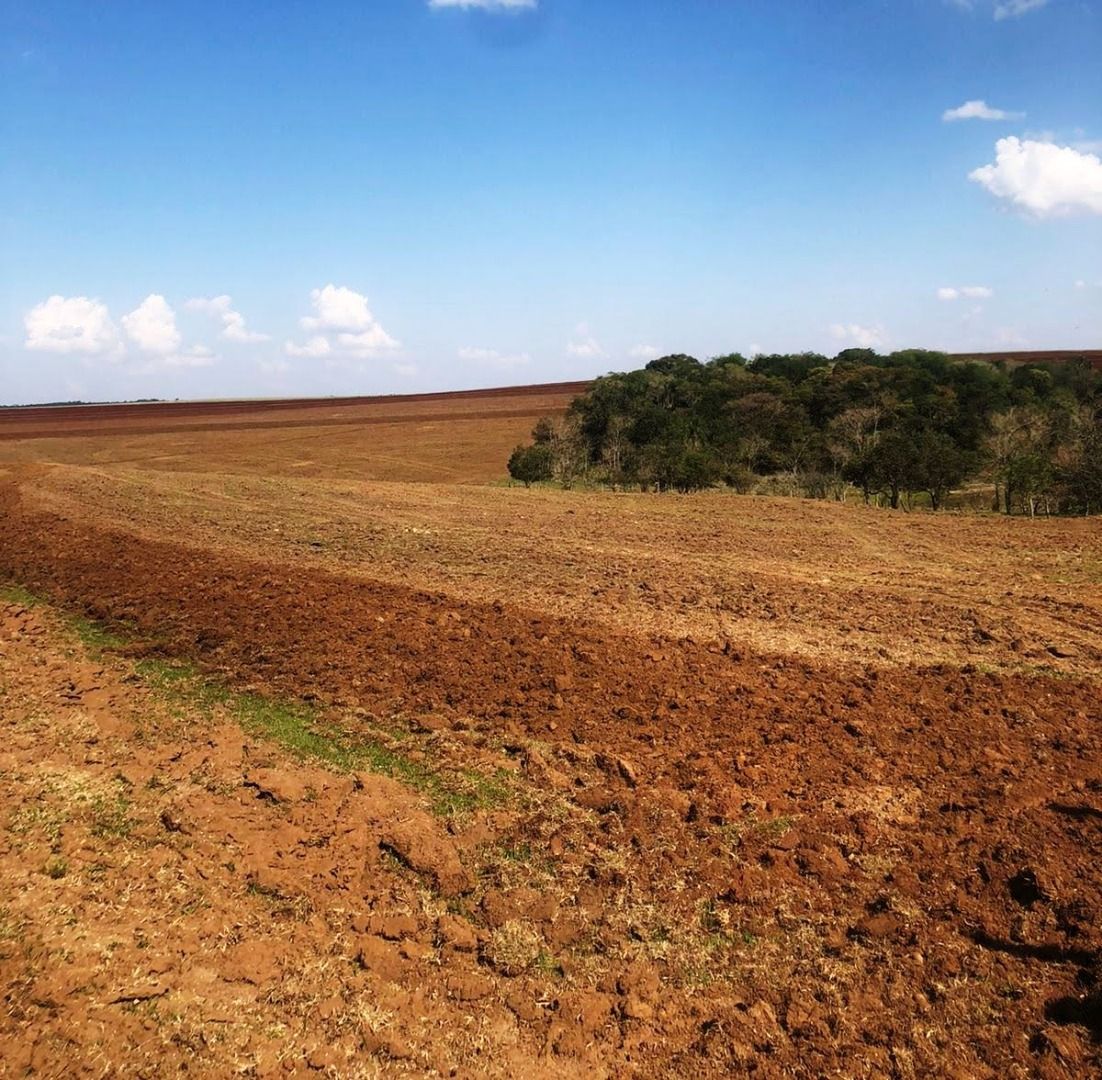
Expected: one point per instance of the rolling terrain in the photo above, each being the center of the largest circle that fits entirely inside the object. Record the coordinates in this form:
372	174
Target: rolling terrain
326	750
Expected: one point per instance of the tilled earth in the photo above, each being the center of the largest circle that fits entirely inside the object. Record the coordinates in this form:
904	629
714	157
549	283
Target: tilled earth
698	859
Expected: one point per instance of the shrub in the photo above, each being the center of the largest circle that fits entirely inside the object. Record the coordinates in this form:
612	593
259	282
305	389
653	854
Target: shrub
529	464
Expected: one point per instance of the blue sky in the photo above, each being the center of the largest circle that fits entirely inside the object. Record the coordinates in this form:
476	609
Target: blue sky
247	198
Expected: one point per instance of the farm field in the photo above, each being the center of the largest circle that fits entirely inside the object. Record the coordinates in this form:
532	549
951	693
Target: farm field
327	751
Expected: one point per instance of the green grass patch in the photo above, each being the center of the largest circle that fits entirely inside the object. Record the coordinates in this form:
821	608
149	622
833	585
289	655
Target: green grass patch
110	816
294	725
301	729
16	594
93	635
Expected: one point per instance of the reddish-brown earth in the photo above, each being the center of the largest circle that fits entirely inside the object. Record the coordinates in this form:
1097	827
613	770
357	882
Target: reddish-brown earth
702	851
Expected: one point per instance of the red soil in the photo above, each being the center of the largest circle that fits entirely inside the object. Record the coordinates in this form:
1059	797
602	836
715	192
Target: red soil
905	861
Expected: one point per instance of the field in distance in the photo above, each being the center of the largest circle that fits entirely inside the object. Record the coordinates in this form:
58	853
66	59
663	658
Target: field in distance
412	490
750	783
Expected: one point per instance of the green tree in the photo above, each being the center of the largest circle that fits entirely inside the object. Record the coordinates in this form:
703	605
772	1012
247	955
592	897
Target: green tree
530	464
939	465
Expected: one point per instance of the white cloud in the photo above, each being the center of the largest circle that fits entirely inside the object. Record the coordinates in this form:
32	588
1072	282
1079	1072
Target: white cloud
367	342
152	326
965	292
864	337
209	305
346	324
71	324
338	308
273	366
643	352
235	329
1012	9
494	359
584	345
315	347
1042	178
978	110
485	5
233	322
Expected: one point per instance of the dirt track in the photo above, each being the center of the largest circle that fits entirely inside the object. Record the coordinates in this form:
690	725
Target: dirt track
711	856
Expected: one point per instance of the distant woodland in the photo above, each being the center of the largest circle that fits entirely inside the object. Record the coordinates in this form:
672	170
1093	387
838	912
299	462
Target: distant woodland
903	430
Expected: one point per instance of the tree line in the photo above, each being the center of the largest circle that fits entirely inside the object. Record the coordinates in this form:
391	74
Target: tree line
896	427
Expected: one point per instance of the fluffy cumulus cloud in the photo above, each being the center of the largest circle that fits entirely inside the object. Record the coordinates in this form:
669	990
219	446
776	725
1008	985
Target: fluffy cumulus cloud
485	5
78	325
337	307
1043	179
965	292
342	324
643	352
366	342
151	326
864	337
233	322
978	110
71	324
493	359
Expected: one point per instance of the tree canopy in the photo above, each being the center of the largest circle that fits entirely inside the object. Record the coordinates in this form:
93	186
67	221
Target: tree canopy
912	421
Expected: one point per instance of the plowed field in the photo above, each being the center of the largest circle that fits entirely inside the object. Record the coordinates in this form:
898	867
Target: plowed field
467	779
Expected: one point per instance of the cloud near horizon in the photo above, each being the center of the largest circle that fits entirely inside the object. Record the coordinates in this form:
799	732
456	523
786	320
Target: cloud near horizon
342	324
233	322
72	324
1043	179
151	326
863	337
583	345
77	325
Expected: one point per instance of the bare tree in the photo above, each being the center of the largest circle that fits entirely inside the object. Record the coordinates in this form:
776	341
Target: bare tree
569	451
616	447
